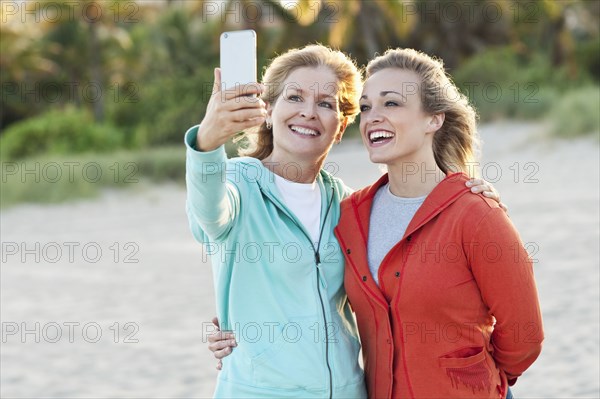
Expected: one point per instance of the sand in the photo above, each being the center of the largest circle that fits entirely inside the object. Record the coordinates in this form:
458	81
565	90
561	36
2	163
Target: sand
150	296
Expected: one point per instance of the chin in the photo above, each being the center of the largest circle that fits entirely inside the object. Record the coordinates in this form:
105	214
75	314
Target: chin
377	158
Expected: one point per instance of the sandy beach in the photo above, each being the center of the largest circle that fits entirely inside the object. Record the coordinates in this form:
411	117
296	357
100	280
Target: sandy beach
111	298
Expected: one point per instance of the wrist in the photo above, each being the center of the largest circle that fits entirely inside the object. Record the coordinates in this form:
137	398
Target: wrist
205	143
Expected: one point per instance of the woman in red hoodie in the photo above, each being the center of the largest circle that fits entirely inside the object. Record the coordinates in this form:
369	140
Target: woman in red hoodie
442	288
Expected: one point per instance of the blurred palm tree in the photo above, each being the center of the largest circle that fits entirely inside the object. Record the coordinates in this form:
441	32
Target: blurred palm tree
361	27
66	58
366	27
164	45
21	63
277	26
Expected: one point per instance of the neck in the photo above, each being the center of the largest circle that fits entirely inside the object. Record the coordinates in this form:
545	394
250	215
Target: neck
296	170
414	178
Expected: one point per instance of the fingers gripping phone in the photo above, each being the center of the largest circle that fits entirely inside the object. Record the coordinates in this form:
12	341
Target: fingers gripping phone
238	58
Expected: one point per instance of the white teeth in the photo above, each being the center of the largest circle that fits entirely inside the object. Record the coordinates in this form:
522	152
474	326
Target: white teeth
380	134
304	130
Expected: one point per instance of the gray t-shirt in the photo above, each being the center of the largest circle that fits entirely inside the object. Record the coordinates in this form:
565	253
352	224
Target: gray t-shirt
390	216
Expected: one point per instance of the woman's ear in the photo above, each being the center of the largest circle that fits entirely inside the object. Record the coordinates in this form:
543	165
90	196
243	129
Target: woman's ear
436	122
268	119
344	124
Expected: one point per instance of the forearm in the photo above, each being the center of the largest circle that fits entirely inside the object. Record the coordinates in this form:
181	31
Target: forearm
211	204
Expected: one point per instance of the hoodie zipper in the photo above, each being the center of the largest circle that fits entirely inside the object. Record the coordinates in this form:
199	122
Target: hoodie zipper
317	262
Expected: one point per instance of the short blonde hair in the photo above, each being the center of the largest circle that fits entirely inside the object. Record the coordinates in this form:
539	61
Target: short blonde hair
260	144
456	143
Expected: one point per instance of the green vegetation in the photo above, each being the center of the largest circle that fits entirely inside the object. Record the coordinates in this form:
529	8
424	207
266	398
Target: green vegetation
123	84
59	132
50	179
576	113
502	84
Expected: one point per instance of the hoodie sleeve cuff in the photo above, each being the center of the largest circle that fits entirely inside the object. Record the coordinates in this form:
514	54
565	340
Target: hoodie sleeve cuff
217	155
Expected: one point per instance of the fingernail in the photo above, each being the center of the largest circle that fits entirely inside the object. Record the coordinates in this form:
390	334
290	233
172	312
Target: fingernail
474	190
469	184
232	342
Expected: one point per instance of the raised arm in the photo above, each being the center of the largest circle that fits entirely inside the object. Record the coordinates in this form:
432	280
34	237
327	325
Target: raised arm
212	203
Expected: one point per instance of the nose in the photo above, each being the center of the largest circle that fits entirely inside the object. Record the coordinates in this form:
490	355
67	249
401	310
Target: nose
372	117
308	110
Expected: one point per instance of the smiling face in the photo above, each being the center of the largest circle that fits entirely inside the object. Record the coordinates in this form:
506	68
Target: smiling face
306	116
393	125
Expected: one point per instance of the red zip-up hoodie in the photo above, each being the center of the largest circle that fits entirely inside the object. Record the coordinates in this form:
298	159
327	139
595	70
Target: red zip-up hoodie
456	312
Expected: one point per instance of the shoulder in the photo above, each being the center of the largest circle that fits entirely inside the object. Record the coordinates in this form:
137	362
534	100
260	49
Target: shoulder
246	162
474	206
480	217
245	171
365	194
461	202
358	201
354	197
477	201
340	187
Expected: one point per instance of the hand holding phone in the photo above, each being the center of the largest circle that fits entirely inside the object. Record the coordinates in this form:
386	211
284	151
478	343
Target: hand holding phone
229	113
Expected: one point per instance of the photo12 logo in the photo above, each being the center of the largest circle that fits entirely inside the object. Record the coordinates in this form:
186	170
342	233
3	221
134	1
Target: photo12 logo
27	11
68	171
69	331
266	12
68	251
70	92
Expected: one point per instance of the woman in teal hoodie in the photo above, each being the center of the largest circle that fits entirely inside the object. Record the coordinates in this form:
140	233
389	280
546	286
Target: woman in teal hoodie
267	221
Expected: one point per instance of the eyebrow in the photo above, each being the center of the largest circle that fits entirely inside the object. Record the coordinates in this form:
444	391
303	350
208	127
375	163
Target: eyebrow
384	93
321	96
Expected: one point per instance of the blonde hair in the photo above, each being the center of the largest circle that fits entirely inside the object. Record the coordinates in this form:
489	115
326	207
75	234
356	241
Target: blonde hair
260	144
456	143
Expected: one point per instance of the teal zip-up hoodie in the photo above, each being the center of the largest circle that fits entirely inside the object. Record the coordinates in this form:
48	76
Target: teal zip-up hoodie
280	293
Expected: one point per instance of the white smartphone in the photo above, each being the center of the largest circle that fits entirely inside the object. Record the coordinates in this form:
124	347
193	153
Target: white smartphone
238	58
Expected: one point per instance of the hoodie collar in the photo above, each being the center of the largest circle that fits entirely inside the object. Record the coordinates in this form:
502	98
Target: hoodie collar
255	171
442	196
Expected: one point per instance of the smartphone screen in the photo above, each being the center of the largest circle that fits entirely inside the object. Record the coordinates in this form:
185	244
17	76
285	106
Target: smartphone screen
238	58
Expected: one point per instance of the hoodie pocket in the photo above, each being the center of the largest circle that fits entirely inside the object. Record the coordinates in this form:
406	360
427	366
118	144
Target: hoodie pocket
295	360
467	368
464	357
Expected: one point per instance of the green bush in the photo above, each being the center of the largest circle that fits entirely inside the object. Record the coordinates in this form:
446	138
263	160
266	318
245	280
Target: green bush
85	175
163	163
521	102
587	57
167	107
576	113
58	132
503	84
171	96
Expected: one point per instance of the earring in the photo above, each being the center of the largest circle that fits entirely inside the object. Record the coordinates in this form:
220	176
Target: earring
269	125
